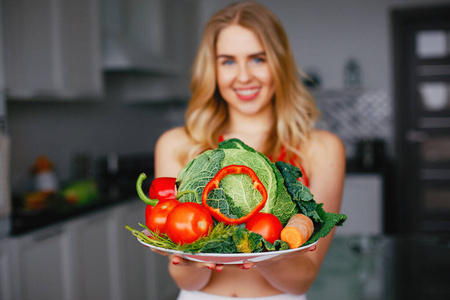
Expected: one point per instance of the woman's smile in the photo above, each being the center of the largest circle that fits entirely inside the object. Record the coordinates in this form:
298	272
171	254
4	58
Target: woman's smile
244	78
246	94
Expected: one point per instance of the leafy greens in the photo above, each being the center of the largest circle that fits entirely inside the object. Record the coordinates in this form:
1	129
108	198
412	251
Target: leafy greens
236	197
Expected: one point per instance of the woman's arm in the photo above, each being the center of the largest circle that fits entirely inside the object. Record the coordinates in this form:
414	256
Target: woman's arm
188	275
325	161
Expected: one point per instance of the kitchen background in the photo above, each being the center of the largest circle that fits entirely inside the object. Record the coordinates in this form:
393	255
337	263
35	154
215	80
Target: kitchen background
121	118
91	85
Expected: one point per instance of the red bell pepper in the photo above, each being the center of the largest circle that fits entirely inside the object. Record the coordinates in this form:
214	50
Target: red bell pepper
214	183
161	189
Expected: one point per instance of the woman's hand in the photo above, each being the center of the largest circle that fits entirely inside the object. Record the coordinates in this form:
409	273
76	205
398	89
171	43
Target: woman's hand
179	261
276	259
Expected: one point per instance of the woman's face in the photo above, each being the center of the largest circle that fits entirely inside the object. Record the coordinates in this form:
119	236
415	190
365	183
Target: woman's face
244	78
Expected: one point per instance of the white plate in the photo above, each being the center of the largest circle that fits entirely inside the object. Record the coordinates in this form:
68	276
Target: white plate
227	259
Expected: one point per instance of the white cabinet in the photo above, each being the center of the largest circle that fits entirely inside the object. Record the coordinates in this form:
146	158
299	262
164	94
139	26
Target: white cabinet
41	265
91	257
144	273
134	263
6	291
95	257
362	202
52	49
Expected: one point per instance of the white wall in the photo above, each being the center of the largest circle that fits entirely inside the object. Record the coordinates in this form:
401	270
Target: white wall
324	34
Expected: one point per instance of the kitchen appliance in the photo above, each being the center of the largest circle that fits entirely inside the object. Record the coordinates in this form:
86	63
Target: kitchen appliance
371	154
117	174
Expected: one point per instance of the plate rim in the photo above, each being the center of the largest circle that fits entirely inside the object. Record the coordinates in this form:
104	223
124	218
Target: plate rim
253	255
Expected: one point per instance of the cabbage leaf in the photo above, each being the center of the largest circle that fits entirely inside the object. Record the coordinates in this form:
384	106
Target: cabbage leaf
236	197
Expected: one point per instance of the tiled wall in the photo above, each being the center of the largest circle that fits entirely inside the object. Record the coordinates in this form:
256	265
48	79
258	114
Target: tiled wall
357	114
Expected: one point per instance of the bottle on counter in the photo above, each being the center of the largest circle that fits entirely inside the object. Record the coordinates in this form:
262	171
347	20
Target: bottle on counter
44	175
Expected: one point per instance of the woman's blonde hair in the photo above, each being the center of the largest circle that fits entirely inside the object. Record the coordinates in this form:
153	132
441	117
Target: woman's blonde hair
207	114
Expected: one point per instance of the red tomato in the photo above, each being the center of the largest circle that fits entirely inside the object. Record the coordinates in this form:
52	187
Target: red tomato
156	219
266	225
148	209
188	222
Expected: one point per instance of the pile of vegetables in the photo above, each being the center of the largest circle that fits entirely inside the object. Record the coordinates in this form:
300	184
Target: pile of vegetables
233	199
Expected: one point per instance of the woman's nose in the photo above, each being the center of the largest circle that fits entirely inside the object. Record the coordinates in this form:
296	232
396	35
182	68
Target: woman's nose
244	74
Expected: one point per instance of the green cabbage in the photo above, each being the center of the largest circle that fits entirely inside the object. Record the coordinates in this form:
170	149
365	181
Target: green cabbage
236	197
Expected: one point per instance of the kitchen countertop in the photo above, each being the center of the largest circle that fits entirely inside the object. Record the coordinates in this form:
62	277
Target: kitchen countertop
24	221
385	267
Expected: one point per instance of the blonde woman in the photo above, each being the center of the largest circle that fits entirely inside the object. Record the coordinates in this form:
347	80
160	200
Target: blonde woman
245	85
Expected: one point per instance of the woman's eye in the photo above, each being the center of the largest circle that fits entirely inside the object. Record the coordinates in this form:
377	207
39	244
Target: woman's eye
227	62
258	60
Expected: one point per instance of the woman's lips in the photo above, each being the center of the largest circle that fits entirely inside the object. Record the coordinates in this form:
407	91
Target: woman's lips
247	94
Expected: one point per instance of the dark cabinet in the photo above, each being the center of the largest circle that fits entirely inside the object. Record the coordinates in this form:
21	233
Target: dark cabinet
422	104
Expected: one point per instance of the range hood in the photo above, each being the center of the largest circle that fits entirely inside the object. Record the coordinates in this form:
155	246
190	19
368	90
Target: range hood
122	49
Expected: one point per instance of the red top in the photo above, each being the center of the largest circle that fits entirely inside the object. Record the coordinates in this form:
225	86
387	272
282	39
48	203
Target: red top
304	179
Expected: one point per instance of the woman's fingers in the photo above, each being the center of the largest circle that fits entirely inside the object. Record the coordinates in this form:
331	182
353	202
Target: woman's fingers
176	260
212	266
247	265
179	261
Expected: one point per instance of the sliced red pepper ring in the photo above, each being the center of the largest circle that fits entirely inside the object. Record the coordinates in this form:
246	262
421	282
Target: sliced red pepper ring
214	184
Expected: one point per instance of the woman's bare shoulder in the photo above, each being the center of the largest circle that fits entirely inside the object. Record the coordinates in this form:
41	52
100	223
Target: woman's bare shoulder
168	149
324	151
324	142
173	137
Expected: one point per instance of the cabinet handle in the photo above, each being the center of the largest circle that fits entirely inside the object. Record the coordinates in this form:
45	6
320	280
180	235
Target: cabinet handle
416	136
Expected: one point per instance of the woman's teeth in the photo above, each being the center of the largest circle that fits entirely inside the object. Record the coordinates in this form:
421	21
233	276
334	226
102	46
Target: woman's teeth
247	92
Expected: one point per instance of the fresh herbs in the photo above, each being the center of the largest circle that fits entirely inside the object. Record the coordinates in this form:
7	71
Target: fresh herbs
222	239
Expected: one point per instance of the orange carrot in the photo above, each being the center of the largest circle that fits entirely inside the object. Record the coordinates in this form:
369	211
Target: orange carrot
297	231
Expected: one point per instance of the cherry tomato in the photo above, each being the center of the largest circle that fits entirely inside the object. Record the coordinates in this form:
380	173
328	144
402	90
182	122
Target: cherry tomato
188	222
266	225
156	219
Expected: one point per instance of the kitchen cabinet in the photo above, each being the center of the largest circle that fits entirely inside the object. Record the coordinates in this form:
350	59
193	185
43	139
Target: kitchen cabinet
362	202
41	263
89	257
6	292
95	258
52	49
2	64
150	46
422	121
144	273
